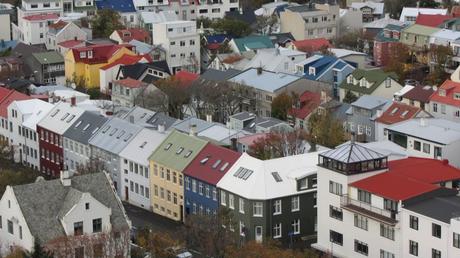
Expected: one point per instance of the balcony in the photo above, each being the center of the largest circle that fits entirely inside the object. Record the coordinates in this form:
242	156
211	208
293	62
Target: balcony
365	209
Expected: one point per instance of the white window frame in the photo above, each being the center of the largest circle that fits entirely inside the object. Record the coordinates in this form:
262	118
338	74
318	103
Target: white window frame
277	207
295	201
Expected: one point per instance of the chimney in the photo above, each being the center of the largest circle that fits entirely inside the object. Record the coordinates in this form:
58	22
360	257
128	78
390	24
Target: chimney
73	101
131	119
192	131
161	128
209	118
259	70
323	96
234	145
65	178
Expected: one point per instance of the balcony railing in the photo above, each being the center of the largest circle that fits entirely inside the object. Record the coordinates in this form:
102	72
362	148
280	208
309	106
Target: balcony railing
366	209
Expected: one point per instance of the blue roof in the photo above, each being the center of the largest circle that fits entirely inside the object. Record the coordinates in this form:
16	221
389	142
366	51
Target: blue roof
220	38
323	64
4	45
340	65
124	6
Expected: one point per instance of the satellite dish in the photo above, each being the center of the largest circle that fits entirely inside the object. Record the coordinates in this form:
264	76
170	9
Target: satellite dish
73	85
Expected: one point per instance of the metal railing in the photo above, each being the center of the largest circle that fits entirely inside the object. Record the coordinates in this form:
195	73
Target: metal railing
346	200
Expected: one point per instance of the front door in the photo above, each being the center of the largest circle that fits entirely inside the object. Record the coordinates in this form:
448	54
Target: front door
259	234
126	193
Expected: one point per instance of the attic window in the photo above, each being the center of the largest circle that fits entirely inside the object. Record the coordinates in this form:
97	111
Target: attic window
311	70
168	146
277	177
120	134
222	169
83	54
442	92
216	164
143	145
179	150
457	96
55	112
106	129
188	154
70	118
87	205
86	127
90	54
65	116
252	125
394	110
203	161
404	113
114	130
95	130
78	124
128	137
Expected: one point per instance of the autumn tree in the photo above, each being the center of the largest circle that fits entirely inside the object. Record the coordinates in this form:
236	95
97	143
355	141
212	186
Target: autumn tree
281	105
233	27
325	130
397	59
440	57
157	243
40	252
15	176
93	165
17	252
279	144
172	98
105	22
355	40
268	249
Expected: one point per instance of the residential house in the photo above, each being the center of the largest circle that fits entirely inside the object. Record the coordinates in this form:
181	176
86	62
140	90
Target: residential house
385	42
244	143
63	31
77	151
310	21
446	38
432	20
83	211
417	38
33	28
287	214
410	14
201	178
82	63
167	163
428	138
7	96
125	36
65	46
145	72
250	43
130	92
125	8
371	10
250	122
48	67
370	82
23	116
310	45
362	115
419	96
445	101
160	121
107	144
51	129
328	69
7	16
135	167
354	58
301	111
157	53
394	114
337	109
83	7
372	29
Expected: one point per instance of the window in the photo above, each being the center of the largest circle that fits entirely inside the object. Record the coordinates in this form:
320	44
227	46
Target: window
258	209
426	148
435	253
390	205
277	207
335	237
386	254
241	205
78	228
413	222
335	188
443	109
296	226
387	231
417	145
303	183
87	206
277	230
436	230
361	247
295	203
20	232
194	186
231	201
200	188
223	200
455	238
413	248
97	225
360	222
10	227
335	212
435	107
364	196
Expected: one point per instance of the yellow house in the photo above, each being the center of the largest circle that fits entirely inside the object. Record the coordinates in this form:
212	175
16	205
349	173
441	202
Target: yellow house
82	63
167	163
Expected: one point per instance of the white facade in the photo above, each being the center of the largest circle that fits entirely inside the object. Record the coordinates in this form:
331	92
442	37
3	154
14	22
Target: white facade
69	32
33	31
5	29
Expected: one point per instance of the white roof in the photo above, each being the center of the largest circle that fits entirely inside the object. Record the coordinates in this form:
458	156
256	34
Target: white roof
268	8
67	94
404	90
260	184
377	7
270	59
162	16
33	111
143	145
61	117
430	129
414	11
386	148
444	37
341	52
382	23
221	134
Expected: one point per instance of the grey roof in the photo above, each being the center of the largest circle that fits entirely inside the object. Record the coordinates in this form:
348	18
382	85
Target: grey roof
370	102
267	122
139	115
114	135
438	208
162	119
200	124
266	80
217	75
351	153
72	197
41	203
302	8
243	116
85	127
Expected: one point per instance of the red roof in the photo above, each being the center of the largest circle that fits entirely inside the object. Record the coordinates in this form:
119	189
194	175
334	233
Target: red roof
58	25
70	43
407	178
101	53
309	101
186	78
42	17
398	112
250	139
127	60
431	20
419	93
449	88
127	35
201	167
130	83
311	44
8	99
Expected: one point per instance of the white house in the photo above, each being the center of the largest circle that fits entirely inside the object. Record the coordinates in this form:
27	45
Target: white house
64	31
409	14
33	28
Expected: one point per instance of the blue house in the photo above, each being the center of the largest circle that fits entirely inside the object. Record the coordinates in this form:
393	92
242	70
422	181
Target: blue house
328	69
201	177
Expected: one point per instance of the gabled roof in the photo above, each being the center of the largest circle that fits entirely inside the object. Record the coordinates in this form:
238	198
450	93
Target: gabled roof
352	153
71	43
218	75
127	35
256	179
159	17
41	202
138	115
420	30
33	111
266	80
377	77
85	127
253	42
136	70
309	102
130	83
370	102
143	145
450	89
11	96
377	8
42	17
312	45
408	178
321	65
160	119
178	150
127	59
123	6
101	53
51	57
61	117
432	20
419	93
217	38
415	11
211	163
398	112
200	125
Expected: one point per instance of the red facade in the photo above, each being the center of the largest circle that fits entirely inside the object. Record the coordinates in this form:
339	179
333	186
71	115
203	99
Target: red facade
51	152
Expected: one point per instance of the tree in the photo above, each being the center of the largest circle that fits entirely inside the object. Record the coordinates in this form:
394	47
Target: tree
440	57
429	4
17	252
279	144
157	243
325	130
350	97
177	95
269	249
355	40
105	22
396	60
233	27
281	105
15	176
265	24
40	252
94	165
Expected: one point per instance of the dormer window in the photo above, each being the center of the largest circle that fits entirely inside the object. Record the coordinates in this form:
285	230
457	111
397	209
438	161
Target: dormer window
457	96
311	70
350	79
363	82
83	54
442	92
90	54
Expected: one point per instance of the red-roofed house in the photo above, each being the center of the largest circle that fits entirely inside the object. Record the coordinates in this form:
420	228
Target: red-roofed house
306	105
243	143
310	45
186	78
445	101
82	63
432	20
63	32
65	46
202	176
32	29
130	92
6	98
126	35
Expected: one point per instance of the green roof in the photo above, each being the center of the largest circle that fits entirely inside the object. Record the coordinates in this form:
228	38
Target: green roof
51	57
170	157
376	76
421	30
253	42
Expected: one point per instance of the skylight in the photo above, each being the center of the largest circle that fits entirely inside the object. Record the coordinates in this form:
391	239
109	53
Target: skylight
143	145
243	173
277	177
179	150
86	127
404	113
78	124
203	161
114	130
106	129
65	116
70	118
95	130
128	137
188	154
252	125
55	112
216	164
120	134
168	146
394	110
222	169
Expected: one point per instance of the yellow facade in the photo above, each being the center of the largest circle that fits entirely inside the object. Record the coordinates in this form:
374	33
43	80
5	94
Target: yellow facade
167	191
88	73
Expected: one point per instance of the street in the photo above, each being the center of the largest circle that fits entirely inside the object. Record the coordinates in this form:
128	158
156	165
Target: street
146	219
